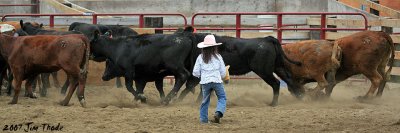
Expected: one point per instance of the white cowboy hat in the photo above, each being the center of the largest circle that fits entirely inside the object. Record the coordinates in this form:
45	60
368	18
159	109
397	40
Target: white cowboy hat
209	41
6	28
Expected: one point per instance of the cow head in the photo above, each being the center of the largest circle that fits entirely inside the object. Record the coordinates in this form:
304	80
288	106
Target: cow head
111	71
30	28
96	43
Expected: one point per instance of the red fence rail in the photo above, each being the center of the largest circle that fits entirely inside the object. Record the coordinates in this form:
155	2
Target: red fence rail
94	17
279	27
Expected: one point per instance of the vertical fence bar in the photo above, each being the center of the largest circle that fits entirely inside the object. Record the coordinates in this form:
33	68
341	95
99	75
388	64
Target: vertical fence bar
238	25
279	26
141	21
94	19
51	21
323	26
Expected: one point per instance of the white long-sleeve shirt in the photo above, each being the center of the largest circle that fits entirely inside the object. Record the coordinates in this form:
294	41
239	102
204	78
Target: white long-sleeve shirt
214	71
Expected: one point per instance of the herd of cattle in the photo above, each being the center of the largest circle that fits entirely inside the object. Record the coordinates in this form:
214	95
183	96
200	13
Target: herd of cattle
29	50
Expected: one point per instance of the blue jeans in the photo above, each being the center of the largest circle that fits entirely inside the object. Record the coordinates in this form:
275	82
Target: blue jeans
221	105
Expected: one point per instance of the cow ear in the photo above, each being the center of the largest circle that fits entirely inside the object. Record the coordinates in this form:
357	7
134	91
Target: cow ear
21	22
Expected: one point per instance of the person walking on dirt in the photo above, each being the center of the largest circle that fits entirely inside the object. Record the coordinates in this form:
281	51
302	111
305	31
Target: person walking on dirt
210	68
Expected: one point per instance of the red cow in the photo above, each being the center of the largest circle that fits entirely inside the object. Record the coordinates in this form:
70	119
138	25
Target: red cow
320	60
29	56
366	53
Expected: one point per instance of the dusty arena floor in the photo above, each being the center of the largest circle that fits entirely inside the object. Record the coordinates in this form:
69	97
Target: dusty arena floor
112	109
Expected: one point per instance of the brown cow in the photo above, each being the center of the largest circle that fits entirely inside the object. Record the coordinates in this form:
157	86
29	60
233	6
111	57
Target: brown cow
29	56
319	58
366	53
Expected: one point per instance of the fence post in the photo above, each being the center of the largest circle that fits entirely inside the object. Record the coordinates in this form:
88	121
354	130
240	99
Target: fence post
94	18
279	26
51	21
141	21
323	26
238	24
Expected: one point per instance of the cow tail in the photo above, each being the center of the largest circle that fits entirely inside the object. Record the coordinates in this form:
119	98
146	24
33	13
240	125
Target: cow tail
391	60
336	54
85	61
279	50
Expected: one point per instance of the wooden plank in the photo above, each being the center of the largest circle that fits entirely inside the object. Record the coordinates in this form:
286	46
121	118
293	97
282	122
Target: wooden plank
144	30
395	38
336	35
355	22
392	13
397	55
285	35
395	70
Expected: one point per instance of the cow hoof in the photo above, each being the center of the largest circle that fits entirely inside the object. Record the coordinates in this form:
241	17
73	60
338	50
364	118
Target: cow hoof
12	102
165	102
83	103
142	98
273	104
63	103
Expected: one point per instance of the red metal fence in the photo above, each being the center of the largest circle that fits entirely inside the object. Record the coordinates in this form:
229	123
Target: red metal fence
279	27
94	17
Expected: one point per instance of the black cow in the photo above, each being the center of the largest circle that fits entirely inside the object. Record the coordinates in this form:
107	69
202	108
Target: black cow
89	29
111	71
263	56
148	57
115	30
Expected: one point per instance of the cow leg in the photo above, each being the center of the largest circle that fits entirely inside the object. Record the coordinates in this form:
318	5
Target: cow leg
274	83
322	83
81	91
45	80
159	85
191	83
2	76
65	86
55	79
181	76
28	87
129	86
17	87
118	82
45	84
72	87
294	89
140	84
200	96
375	79
331	77
381	70
9	85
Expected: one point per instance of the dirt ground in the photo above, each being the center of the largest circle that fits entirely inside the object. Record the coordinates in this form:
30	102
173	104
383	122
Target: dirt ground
112	109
